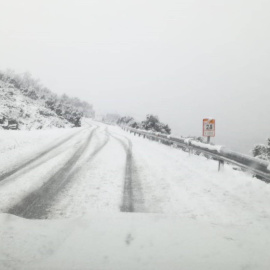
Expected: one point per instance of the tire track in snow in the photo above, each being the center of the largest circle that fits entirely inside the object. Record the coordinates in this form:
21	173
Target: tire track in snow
100	147
37	157
35	205
68	184
52	154
132	200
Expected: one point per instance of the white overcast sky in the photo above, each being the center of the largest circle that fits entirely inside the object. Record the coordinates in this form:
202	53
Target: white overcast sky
182	60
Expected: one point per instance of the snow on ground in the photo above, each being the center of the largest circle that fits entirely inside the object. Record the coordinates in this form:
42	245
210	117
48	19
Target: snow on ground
174	182
98	185
14	139
189	215
35	175
18	146
130	241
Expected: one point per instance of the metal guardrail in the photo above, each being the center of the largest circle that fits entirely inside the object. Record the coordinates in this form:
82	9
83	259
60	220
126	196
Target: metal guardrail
259	168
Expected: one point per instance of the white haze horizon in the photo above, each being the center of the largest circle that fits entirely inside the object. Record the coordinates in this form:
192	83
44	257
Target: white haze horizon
183	60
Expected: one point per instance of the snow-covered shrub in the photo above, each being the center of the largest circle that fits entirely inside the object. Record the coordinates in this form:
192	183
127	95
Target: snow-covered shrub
71	109
128	121
152	123
262	151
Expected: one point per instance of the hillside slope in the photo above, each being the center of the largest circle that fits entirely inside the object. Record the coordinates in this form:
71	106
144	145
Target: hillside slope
29	113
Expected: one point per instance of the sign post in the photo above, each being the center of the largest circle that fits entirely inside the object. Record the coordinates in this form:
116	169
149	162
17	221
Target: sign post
209	128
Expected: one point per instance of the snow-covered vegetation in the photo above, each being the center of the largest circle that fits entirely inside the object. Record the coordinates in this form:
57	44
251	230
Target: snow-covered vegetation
26	104
262	151
151	123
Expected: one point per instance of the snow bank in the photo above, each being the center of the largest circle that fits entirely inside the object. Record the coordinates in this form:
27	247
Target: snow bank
130	241
187	140
207	146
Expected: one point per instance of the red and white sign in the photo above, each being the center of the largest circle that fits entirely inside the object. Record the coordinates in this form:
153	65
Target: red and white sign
209	127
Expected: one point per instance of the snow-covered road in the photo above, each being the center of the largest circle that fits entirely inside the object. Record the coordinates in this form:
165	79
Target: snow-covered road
101	170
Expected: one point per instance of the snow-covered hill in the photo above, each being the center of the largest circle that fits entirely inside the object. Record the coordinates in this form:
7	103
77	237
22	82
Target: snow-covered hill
29	113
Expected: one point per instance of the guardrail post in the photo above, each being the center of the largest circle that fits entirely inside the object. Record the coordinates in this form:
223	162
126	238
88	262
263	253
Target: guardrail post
220	165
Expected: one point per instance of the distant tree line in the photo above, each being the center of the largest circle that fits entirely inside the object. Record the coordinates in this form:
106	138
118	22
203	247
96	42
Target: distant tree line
71	109
151	123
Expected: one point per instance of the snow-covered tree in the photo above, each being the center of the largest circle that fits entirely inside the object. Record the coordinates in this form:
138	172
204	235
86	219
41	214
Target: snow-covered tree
152	123
128	121
262	151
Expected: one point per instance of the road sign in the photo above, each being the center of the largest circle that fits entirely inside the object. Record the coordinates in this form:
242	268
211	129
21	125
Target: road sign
209	126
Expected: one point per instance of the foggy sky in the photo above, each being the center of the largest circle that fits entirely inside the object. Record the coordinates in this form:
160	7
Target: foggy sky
181	60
